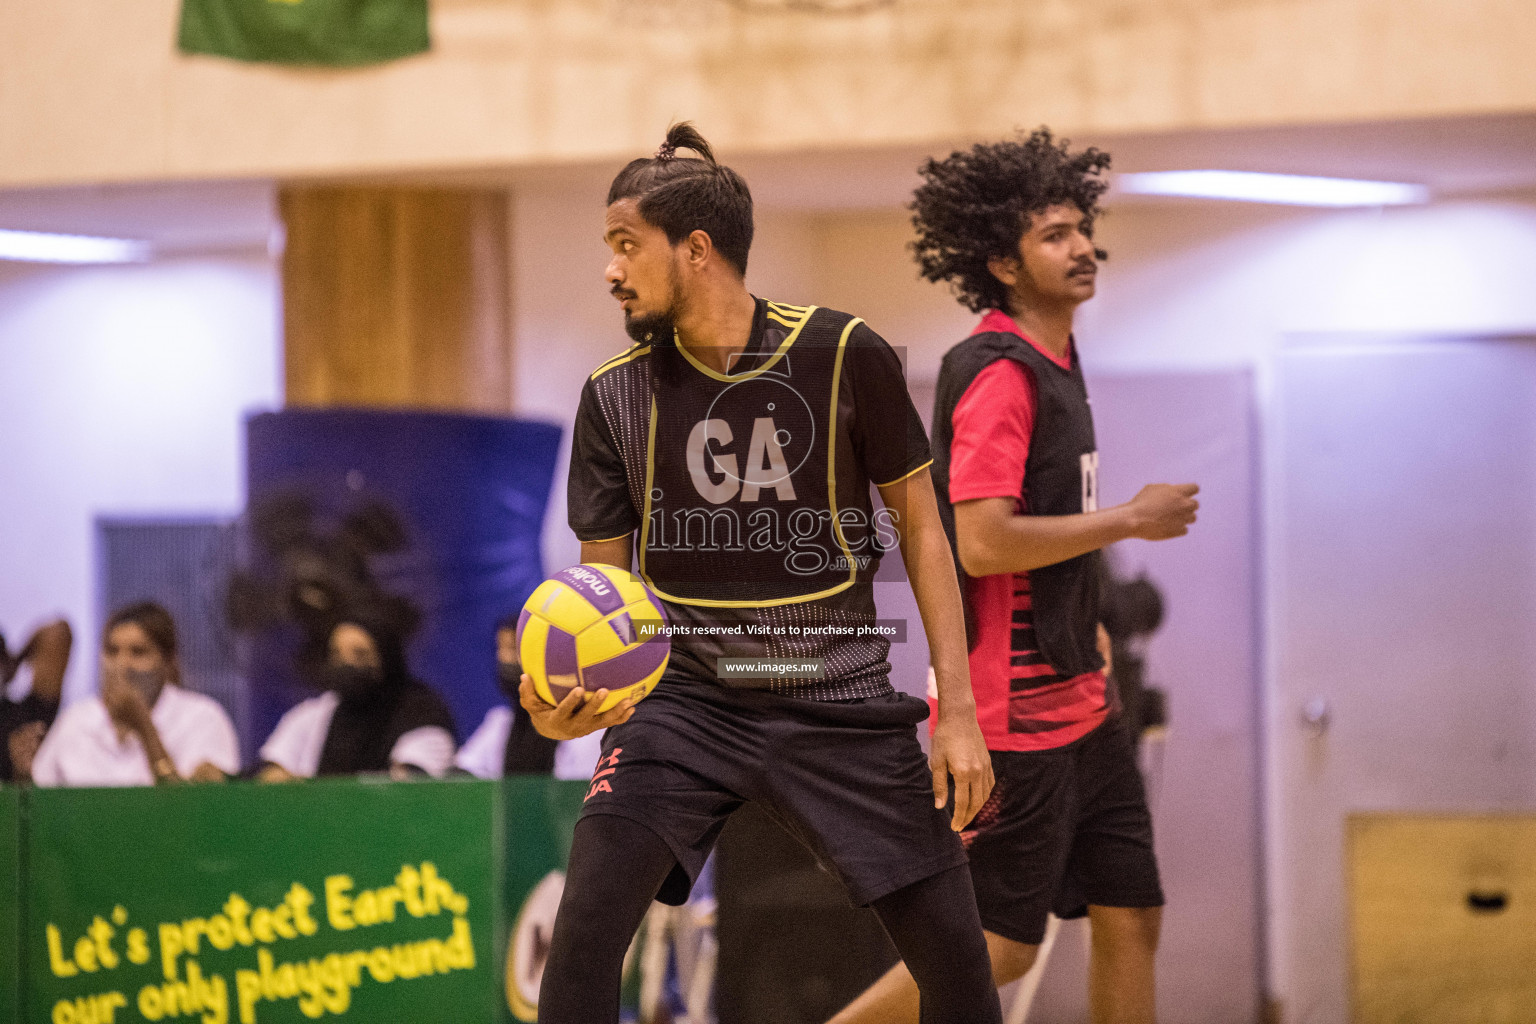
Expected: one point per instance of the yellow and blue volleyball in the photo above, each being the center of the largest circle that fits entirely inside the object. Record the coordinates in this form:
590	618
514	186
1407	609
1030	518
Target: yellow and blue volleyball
597	627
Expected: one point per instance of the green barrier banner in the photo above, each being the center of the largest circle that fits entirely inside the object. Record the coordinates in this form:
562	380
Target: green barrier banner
333	32
10	905
538	818
264	904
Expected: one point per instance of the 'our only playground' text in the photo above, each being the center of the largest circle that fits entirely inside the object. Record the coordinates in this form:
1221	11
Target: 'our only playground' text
320	984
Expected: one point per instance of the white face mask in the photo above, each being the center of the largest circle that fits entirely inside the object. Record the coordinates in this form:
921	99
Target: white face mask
148	682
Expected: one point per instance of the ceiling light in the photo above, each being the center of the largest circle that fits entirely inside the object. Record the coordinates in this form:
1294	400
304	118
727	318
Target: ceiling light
45	247
1253	187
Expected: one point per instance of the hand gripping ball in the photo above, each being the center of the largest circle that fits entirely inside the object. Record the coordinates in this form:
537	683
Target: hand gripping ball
594	626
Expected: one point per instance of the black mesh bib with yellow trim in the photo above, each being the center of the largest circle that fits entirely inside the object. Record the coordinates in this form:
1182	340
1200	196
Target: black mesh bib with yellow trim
740	503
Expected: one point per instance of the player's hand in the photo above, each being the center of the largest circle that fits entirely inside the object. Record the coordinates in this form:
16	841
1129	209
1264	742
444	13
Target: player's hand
124	703
1163	511
22	745
573	717
959	751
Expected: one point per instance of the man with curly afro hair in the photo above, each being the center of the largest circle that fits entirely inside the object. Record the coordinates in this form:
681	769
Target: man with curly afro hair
1009	225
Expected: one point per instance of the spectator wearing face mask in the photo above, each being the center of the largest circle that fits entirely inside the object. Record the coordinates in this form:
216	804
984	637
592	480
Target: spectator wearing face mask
25	721
144	727
507	743
374	716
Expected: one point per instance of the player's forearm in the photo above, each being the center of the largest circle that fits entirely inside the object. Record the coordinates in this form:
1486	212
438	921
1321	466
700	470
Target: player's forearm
609	552
991	544
931	571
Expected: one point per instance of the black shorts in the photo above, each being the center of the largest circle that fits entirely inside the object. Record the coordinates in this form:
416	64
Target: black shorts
1063	829
846	778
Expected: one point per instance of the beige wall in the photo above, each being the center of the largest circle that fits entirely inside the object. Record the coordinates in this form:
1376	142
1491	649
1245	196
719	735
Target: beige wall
863	266
95	92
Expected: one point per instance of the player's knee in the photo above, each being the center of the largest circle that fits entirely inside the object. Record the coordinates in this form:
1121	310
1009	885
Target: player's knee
591	938
1010	960
587	924
1128	929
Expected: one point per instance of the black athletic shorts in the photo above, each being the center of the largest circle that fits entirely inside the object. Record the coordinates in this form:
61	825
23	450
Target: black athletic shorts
846	778
1063	829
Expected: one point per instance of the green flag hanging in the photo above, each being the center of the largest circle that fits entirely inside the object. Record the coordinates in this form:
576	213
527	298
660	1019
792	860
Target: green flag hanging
335	32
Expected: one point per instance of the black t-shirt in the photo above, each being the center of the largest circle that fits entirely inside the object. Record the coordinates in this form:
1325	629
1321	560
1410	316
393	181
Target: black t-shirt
365	728
14	715
878	437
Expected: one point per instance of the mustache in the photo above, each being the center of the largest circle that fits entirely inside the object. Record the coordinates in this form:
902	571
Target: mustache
1085	265
620	292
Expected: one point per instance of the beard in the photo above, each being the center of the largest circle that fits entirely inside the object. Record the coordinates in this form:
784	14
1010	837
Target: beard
656	328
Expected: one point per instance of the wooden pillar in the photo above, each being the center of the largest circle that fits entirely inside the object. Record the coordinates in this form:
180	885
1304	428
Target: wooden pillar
397	297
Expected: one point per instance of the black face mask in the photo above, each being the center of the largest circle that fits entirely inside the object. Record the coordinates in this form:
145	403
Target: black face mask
351	680
509	675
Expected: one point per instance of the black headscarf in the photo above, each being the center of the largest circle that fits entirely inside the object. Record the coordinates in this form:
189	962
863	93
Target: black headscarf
368	722
528	752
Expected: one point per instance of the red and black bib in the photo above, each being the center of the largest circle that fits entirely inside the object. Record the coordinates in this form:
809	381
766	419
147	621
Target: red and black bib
1060	478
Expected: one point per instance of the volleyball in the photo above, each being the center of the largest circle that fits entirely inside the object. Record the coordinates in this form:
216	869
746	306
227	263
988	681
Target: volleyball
594	626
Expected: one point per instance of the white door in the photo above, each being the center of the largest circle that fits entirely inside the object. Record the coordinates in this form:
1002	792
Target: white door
1401	568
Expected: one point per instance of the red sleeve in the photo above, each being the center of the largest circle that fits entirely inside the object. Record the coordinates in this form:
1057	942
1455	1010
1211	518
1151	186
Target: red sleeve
992	427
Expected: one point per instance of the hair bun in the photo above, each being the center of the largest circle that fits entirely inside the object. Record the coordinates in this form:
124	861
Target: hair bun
683	135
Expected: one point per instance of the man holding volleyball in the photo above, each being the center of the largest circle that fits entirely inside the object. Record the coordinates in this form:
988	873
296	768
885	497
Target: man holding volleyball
732	449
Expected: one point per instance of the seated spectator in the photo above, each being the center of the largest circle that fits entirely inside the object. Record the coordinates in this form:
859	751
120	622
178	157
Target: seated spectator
24	722
144	727
507	743
373	716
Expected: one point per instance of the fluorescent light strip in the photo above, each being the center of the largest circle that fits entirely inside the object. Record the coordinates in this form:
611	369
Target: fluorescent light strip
43	247
1253	187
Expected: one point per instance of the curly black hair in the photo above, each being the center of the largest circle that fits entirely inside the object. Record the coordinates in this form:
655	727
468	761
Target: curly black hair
976	204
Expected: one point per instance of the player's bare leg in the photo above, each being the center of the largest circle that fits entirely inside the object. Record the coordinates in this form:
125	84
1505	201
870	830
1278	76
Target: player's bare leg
893	999
1121	988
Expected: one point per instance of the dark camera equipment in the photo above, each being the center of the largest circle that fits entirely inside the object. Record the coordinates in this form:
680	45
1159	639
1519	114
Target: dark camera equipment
315	572
1132	610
